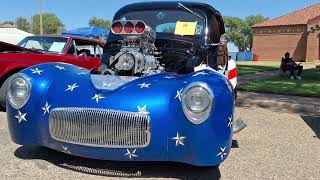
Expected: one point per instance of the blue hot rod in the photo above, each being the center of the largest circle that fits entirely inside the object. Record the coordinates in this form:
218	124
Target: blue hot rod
162	92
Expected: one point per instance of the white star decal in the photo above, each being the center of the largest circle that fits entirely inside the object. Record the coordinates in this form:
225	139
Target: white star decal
82	73
144	85
21	116
131	154
230	122
59	67
65	150
200	73
222	153
72	87
143	110
179	139
179	94
36	71
97	97
169	77
46	108
106	84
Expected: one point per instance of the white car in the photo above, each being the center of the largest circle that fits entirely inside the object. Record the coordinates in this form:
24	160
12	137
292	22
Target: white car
231	72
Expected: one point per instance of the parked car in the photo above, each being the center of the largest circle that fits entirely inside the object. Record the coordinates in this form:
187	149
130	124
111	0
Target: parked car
161	93
34	50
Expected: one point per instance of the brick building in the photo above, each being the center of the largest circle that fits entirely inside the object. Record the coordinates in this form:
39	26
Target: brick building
297	32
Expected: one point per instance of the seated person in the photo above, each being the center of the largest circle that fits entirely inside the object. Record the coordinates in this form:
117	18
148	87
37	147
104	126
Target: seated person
287	64
85	52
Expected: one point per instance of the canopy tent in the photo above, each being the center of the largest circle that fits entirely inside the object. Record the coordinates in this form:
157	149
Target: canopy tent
90	32
11	34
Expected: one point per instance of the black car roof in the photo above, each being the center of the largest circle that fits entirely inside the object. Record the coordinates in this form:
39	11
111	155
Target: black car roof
165	5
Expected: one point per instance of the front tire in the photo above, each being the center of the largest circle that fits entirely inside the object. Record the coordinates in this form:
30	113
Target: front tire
3	92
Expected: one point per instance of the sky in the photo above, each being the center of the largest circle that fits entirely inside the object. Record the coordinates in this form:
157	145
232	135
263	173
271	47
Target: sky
76	13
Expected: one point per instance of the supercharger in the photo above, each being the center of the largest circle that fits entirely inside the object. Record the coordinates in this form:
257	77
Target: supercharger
137	54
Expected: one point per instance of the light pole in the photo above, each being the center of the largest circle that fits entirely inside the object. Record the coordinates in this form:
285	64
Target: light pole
40	14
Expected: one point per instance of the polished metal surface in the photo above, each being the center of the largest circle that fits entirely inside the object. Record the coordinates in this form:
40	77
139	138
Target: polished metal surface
110	82
100	127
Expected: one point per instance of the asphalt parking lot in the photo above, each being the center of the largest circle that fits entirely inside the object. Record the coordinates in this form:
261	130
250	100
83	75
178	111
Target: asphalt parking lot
280	142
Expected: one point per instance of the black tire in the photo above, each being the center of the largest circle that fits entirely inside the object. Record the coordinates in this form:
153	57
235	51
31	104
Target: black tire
3	92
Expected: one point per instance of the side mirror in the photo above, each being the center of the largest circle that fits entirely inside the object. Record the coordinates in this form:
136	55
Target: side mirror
224	39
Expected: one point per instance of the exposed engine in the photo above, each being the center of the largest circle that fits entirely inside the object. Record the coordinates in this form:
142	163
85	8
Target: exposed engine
137	56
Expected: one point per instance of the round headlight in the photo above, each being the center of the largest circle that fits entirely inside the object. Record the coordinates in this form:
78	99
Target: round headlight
19	91
197	102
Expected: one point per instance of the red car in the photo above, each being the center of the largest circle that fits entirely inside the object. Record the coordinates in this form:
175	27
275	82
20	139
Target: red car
34	50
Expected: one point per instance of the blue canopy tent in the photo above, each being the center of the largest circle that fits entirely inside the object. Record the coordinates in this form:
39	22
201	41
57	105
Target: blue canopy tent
89	32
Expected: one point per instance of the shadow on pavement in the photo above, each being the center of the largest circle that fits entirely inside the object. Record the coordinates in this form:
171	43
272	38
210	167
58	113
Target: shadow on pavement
308	108
314	123
305	106
117	169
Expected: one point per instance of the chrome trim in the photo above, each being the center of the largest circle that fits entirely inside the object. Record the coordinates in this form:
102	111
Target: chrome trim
100	127
28	81
191	116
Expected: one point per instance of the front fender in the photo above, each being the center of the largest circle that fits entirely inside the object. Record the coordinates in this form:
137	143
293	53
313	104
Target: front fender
41	82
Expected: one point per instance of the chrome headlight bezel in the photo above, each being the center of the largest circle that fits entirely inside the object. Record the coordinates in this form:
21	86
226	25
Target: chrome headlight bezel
19	102
197	117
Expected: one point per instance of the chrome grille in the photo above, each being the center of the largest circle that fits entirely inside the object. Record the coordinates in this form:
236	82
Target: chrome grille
100	127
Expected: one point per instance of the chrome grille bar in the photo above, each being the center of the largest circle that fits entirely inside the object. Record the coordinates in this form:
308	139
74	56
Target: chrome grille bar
100	127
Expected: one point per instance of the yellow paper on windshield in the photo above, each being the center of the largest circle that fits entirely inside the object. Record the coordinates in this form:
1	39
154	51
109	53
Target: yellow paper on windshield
185	28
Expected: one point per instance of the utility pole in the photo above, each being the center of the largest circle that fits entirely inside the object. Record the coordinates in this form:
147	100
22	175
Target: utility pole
40	13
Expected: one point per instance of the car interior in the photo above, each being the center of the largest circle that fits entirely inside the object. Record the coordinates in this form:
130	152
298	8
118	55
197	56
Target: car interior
81	47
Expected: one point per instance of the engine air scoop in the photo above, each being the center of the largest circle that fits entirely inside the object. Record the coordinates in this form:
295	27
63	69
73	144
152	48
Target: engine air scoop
107	82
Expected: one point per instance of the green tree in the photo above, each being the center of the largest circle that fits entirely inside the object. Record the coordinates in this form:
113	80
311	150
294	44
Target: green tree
94	21
8	22
252	20
240	31
22	24
51	24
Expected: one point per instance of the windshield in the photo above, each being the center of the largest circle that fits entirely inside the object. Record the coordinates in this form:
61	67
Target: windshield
47	44
165	21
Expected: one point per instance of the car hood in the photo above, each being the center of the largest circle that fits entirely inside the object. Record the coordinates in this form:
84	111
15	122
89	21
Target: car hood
57	75
66	85
110	82
6	47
